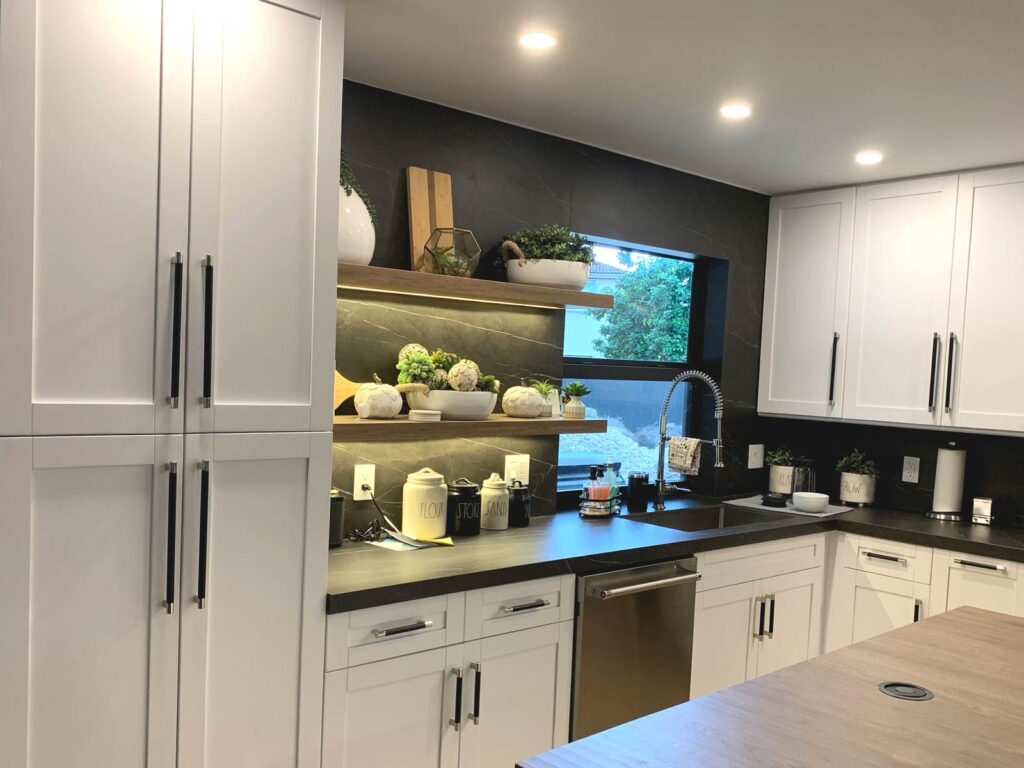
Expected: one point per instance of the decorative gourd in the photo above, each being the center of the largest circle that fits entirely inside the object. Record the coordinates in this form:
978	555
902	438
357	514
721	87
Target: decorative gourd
410	349
463	376
377	400
523	402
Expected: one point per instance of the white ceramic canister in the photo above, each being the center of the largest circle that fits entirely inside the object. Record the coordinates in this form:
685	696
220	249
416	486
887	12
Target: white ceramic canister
494	503
424	505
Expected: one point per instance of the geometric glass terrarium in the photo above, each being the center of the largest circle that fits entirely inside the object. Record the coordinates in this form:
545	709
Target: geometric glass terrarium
451	251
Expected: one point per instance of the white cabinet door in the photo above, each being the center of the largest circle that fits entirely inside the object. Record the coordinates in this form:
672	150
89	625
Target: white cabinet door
862	605
517	695
264	207
88	651
806	292
93	209
254	565
986	314
724	625
899	299
793	623
981	582
396	712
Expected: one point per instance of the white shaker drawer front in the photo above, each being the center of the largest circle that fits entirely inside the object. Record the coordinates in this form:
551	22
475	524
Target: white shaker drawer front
737	565
511	607
887	558
387	631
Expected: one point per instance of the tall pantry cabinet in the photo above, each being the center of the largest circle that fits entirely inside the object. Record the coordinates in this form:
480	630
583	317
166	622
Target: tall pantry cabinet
168	204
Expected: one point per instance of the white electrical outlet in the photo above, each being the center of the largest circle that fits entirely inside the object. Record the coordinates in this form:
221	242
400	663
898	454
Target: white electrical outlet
755	456
911	469
517	467
364	475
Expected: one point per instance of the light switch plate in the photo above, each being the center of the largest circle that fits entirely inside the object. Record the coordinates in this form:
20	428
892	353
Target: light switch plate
911	469
517	467
755	456
363	475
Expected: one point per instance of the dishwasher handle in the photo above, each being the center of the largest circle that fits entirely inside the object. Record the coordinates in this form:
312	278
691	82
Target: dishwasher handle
643	586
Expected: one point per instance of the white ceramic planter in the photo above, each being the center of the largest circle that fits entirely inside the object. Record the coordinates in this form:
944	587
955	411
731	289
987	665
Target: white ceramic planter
356	237
575	408
454	406
553	274
856	489
780	480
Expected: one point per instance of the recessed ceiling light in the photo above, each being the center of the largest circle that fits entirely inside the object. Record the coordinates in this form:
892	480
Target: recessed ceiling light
869	157
735	110
537	40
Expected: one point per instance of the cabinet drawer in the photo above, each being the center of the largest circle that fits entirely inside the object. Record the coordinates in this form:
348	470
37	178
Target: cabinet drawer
886	558
511	607
387	631
724	567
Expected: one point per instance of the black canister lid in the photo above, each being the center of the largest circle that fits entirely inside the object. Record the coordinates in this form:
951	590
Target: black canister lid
518	488
462	486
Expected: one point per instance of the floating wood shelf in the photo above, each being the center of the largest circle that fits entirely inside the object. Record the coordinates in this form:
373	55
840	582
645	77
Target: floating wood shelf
354	429
464	288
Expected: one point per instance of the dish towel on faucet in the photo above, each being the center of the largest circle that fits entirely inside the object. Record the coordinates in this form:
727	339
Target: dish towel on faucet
684	455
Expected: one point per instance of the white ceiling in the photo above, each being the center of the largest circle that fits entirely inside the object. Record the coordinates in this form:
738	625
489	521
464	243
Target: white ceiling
935	84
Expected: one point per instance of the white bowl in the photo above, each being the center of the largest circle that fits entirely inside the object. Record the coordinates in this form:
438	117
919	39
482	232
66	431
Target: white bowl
454	406
572	275
806	501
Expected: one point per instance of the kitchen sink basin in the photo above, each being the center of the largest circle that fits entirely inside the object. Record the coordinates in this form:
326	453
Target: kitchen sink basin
707	518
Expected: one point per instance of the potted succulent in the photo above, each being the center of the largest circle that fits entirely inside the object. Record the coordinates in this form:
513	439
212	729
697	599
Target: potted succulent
356	219
574	406
551	256
781	462
550	393
857	477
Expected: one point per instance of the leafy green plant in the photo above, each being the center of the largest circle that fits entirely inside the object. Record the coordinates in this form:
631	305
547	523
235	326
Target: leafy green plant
349	184
417	368
781	457
443	360
548	242
577	389
488	384
857	463
544	387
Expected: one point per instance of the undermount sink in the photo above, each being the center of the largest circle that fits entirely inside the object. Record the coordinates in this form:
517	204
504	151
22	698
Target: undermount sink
707	518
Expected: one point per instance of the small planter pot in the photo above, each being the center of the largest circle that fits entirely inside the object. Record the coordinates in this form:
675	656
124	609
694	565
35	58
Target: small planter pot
780	480
857	489
575	408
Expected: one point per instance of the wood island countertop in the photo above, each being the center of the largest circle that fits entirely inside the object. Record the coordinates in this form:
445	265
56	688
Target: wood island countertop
829	712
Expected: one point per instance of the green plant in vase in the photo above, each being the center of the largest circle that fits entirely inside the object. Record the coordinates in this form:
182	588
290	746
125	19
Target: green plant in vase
858	474
781	462
574	406
549	392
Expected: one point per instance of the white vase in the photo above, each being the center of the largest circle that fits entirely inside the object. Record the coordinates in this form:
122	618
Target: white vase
575	408
572	275
856	489
356	237
555	398
780	480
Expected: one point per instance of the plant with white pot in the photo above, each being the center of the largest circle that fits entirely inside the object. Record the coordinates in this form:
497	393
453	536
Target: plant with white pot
357	219
575	408
550	393
781	462
442	381
551	256
857	478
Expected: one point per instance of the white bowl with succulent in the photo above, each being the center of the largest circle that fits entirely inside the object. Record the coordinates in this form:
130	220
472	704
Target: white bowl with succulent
550	256
858	475
442	381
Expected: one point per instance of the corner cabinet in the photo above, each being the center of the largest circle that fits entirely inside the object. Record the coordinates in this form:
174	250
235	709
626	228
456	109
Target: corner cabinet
156	205
807	286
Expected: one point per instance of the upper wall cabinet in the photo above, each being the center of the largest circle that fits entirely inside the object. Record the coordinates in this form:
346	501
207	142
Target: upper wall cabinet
985	386
899	298
810	244
109	281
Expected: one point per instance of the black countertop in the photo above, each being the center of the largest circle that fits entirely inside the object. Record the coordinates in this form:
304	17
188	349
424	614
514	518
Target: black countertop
361	575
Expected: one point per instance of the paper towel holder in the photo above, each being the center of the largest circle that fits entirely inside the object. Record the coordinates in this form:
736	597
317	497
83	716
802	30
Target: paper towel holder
947	499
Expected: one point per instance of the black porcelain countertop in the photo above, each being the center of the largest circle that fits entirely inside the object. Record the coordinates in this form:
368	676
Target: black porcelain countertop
362	575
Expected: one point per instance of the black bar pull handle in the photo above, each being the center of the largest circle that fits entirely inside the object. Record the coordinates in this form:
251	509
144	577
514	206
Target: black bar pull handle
392	631
887	558
538	603
931	381
207	398
759	634
917	610
204	530
949	371
456	722
478	671
983	566
172	532
832	370
771	617
177	269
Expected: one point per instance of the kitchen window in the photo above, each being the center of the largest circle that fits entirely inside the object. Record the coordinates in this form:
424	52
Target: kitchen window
628	356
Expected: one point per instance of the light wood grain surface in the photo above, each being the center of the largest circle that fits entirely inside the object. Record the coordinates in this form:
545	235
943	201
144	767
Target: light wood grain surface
352	428
430	207
828	711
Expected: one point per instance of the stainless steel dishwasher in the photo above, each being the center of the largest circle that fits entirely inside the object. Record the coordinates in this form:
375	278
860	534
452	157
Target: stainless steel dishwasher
634	642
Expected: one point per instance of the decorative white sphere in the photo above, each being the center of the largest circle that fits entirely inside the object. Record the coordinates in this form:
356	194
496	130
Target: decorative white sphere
376	400
523	402
463	376
411	349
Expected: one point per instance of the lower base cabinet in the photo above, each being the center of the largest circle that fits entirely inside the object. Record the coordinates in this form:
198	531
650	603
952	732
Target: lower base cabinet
981	582
863	605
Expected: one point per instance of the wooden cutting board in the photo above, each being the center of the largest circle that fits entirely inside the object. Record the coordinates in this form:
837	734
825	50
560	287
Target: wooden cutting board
343	389
430	207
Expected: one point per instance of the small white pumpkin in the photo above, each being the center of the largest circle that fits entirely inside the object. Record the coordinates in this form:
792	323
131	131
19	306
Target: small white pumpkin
463	376
410	349
377	400
523	402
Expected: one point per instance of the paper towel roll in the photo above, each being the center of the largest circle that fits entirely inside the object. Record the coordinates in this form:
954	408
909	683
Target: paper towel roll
949	480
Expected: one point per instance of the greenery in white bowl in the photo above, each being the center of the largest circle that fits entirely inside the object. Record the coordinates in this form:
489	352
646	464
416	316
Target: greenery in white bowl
548	242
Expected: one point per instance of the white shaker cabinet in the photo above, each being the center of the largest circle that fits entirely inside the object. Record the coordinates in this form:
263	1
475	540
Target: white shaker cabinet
986	314
807	286
724	625
862	605
960	579
899	299
792	604
89	539
254	565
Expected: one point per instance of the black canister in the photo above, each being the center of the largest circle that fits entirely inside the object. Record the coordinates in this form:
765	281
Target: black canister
518	505
463	508
336	535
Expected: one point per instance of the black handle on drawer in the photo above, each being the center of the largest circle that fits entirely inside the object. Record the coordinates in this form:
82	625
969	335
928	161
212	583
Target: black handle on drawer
456	722
931	380
976	564
207	398
949	372
771	617
478	671
204	530
176	276
832	370
917	611
172	532
887	558
392	631
538	603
